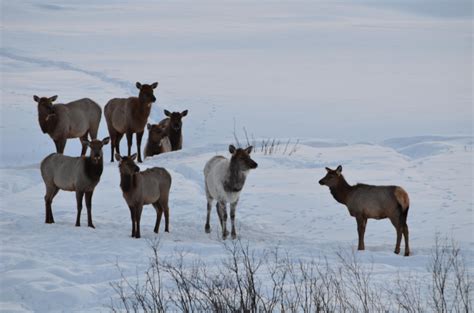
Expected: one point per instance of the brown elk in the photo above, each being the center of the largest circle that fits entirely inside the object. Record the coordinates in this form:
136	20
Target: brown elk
367	201
129	116
173	124
158	141
75	119
79	174
151	186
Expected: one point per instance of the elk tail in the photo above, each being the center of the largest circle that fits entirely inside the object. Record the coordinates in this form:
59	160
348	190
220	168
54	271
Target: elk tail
403	204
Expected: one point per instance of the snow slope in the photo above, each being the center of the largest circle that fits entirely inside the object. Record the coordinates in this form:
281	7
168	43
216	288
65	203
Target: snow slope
61	267
341	77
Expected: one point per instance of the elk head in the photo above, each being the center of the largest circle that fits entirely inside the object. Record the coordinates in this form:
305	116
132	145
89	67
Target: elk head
332	177
175	119
146	95
96	148
127	165
46	113
156	132
242	158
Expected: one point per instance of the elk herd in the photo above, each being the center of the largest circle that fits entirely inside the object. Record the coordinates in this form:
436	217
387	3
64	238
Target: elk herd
224	178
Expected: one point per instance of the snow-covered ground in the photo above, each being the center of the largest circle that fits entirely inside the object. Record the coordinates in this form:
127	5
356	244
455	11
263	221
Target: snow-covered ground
341	77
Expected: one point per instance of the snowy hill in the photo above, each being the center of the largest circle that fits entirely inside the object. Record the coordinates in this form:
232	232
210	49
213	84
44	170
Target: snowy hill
282	204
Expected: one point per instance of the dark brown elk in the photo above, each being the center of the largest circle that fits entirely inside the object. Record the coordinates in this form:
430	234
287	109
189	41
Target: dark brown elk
158	141
75	119
174	124
367	201
129	116
79	174
151	186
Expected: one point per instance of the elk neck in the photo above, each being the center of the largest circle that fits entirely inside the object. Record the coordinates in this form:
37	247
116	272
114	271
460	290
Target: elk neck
93	170
235	178
128	182
47	126
174	137
341	191
141	110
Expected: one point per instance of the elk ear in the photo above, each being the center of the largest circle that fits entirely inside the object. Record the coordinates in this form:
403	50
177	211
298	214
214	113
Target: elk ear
167	113
232	149
139	86
105	141
328	169
249	149
53	98
184	113
133	157
148	126
339	170
154	85
36	98
118	157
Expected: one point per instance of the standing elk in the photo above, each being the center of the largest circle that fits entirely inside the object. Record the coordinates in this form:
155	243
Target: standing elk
79	174
129	116
151	186
75	119
158	141
173	125
367	201
224	180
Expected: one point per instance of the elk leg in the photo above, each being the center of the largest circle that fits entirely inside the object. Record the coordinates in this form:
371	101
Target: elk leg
84	147
207	227
56	143
139	144
361	223
48	198
159	213
129	142
117	142
138	214
396	223
164	204
62	145
233	206
221	210
79	196
113	139
405	235
89	208
132	217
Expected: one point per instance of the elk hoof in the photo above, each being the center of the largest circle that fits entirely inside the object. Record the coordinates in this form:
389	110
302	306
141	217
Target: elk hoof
207	229
397	251
407	253
78	225
234	235
91	226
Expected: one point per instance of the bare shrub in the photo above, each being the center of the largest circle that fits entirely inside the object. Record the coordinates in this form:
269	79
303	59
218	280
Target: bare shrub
451	282
270	146
271	281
